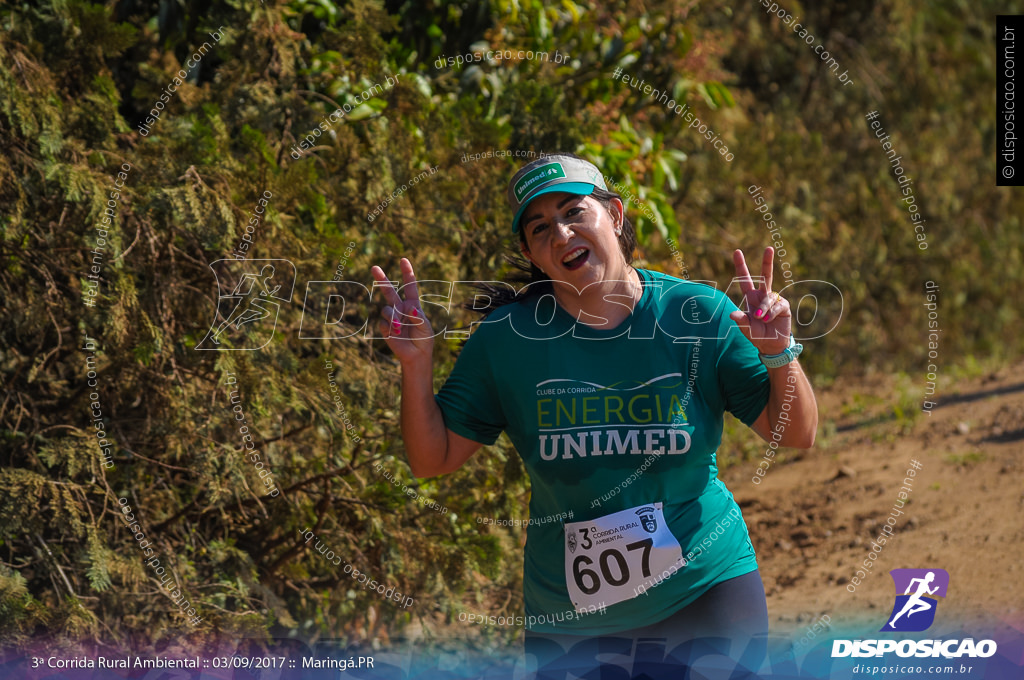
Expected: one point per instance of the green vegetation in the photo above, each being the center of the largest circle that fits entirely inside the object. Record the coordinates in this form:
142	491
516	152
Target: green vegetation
76	81
966	459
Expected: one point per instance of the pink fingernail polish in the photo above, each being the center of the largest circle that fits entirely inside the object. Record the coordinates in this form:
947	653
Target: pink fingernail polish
415	313
396	327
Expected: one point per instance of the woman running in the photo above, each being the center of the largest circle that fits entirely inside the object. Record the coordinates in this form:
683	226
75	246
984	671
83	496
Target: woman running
612	383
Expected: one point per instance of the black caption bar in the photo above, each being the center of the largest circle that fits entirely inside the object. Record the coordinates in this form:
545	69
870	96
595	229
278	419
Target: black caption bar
1009	155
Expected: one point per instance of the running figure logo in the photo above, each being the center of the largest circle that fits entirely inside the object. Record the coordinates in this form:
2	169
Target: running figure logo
251	304
914	610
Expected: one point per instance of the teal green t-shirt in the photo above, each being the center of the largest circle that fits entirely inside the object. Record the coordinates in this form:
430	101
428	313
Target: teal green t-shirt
606	421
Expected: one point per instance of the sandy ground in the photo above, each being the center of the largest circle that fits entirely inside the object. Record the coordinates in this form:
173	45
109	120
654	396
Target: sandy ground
814	516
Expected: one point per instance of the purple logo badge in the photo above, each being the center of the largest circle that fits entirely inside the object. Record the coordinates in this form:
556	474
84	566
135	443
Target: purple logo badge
916	593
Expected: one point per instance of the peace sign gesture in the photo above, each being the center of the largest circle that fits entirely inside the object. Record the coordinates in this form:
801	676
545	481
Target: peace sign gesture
403	325
767	321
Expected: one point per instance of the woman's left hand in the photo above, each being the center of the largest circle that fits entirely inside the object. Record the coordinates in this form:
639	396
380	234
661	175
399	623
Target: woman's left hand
767	321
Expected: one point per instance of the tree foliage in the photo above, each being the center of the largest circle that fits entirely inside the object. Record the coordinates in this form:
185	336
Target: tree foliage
76	81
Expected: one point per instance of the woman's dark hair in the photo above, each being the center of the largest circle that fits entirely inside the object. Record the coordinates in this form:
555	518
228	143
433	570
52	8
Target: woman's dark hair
528	280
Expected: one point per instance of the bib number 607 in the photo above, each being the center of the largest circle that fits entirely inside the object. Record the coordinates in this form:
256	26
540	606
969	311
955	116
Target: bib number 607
580	573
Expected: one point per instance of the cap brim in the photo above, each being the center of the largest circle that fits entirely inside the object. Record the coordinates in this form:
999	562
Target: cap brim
578	188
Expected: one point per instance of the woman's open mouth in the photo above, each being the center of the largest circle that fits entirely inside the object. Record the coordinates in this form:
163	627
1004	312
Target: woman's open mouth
575	258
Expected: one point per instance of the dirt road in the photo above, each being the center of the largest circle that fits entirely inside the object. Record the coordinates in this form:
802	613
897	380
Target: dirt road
813	517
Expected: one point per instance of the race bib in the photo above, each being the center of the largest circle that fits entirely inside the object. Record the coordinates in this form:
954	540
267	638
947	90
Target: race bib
607	558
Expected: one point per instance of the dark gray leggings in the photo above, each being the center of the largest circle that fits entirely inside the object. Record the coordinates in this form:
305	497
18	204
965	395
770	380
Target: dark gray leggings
730	620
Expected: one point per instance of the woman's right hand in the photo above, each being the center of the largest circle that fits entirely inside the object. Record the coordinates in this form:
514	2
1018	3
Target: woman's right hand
404	326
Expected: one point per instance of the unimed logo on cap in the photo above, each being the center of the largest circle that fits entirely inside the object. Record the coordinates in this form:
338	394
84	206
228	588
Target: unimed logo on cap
914	610
541	174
